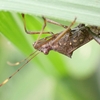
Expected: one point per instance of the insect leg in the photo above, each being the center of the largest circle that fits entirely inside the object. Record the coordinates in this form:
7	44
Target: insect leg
54	22
28	60
17	63
49	21
32	32
64	32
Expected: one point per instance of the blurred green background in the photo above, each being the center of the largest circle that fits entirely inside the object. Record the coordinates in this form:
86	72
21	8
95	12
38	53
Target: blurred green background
46	77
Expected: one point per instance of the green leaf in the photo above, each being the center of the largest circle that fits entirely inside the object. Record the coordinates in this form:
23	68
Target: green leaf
85	11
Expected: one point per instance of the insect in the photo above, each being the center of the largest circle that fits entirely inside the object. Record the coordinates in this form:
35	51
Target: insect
64	42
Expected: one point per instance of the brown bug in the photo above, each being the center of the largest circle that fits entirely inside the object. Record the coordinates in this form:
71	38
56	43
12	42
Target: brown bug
65	42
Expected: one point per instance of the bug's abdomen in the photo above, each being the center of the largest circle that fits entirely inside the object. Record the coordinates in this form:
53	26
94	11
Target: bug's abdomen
71	41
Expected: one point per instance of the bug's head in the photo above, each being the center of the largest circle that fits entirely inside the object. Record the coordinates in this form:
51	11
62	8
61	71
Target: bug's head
42	46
